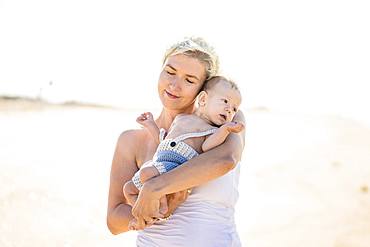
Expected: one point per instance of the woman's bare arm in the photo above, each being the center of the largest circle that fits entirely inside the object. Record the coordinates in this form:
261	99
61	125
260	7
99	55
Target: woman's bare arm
197	171
123	168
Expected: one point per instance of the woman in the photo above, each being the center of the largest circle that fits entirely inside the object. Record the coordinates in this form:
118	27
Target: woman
206	217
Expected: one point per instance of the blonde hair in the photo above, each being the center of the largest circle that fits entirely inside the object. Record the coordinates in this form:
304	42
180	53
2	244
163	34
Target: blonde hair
210	83
198	48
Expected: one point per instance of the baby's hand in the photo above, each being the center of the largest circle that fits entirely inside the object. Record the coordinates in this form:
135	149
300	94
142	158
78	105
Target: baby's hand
145	119
234	127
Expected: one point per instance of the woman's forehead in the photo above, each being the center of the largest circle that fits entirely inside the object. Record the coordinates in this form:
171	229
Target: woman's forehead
187	65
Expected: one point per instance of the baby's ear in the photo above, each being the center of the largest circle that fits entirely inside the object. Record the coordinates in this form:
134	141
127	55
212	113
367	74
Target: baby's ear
202	98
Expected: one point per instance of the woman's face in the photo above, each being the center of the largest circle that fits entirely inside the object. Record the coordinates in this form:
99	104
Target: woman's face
180	81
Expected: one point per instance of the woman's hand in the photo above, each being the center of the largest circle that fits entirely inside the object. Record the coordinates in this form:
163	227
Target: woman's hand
146	208
176	199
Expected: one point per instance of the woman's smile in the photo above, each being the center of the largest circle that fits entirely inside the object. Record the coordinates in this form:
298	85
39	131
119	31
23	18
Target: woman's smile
170	95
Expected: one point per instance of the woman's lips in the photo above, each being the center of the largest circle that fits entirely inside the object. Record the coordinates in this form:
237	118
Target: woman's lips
172	96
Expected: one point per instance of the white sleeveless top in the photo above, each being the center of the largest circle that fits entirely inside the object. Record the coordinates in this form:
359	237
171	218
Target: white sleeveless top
205	219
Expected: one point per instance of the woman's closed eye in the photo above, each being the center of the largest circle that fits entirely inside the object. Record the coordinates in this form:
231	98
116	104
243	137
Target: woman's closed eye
190	81
170	72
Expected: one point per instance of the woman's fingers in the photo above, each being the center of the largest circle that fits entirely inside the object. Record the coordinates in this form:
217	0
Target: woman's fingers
140	224
158	215
163	206
146	209
174	200
145	223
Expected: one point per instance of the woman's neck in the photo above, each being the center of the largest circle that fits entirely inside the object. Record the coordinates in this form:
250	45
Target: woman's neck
166	117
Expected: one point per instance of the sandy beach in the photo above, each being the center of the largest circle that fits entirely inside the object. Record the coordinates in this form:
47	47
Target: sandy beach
304	179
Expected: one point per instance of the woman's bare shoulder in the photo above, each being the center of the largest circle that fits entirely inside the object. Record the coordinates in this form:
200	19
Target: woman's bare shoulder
132	133
129	147
132	138
239	116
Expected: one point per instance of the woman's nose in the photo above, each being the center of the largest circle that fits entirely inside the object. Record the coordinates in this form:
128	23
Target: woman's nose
174	84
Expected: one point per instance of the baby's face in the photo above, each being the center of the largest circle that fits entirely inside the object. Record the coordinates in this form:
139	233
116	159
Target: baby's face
222	103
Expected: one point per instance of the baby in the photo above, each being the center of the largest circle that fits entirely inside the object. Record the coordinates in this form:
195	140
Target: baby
189	134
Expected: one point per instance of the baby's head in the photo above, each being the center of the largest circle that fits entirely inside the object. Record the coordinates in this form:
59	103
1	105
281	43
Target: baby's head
219	100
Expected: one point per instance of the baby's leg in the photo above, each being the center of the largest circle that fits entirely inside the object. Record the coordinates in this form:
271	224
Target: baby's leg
147	173
130	191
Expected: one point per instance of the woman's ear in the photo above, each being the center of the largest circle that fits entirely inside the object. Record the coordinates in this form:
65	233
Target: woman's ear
202	98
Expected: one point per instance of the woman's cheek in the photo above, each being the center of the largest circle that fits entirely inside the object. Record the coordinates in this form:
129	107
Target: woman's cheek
193	91
193	88
164	76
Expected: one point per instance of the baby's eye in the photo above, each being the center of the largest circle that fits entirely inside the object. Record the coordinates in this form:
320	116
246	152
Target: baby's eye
225	101
235	110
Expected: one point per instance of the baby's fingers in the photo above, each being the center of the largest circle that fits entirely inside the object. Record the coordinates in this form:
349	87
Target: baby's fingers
236	127
141	118
148	115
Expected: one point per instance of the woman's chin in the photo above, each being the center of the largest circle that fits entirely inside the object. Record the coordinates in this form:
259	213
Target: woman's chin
172	105
177	106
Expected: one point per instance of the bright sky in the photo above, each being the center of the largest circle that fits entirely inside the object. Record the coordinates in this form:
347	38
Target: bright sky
310	56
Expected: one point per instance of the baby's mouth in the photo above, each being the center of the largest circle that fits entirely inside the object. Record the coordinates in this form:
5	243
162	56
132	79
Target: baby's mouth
223	116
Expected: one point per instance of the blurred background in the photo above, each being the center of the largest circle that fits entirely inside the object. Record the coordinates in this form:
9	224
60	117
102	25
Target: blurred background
75	74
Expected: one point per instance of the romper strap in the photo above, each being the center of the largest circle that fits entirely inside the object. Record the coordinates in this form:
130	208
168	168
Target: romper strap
194	134
162	134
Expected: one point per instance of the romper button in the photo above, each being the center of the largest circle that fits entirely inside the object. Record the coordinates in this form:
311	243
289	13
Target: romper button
172	144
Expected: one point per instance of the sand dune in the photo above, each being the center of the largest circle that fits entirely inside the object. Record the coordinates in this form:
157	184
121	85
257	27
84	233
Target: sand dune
305	179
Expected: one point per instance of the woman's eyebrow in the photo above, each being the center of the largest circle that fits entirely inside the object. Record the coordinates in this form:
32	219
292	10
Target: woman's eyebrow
192	76
168	65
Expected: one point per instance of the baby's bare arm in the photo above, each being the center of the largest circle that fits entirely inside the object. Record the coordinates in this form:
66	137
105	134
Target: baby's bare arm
220	135
147	121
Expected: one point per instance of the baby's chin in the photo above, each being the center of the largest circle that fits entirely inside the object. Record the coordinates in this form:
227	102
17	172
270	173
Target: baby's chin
218	123
216	120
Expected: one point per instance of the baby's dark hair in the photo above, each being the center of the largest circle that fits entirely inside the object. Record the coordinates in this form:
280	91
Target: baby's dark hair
213	81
